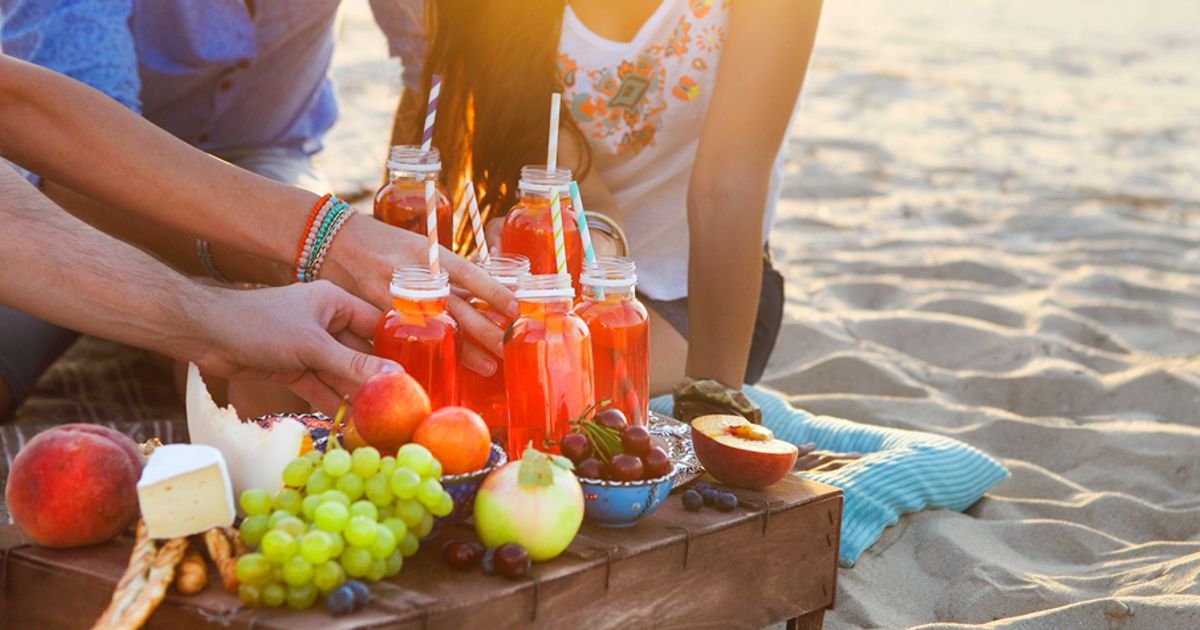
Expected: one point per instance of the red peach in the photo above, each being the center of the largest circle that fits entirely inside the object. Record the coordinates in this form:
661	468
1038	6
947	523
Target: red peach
75	485
739	453
387	409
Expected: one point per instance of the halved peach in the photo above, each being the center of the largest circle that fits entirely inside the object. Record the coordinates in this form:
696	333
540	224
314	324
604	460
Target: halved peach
740	453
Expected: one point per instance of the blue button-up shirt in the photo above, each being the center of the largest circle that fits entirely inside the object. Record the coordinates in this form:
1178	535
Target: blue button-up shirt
215	73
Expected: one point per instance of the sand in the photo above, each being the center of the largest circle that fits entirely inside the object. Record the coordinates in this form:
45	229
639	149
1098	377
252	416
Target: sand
990	232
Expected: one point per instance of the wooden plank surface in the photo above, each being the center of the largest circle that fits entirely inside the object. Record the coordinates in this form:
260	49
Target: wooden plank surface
771	560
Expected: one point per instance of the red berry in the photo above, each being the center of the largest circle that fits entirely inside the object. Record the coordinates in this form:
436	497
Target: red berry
511	561
575	447
592	468
656	463
460	555
625	467
635	440
611	418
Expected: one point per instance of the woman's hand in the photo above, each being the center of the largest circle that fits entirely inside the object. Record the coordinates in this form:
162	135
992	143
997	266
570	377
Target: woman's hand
310	337
366	252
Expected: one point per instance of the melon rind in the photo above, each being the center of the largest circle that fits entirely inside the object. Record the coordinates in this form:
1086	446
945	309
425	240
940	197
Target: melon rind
255	456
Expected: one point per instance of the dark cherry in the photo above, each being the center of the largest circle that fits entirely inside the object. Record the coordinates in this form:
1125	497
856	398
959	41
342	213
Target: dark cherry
656	463
611	418
511	561
635	440
592	468
625	467
575	447
460	555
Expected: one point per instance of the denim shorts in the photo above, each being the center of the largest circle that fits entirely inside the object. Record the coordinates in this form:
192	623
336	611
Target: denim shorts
766	324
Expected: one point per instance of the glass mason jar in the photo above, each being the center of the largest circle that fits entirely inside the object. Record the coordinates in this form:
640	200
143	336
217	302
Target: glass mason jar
620	327
401	201
486	394
419	334
529	229
547	364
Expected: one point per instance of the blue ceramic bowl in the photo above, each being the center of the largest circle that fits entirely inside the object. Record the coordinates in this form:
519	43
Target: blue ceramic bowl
464	487
623	503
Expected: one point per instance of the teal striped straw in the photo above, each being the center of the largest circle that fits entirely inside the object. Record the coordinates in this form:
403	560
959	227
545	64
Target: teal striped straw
589	253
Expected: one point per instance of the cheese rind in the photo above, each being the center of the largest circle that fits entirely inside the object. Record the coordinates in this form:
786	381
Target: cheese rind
184	490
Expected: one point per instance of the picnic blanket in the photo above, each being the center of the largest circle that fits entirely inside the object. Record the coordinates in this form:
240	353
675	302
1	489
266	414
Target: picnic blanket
901	471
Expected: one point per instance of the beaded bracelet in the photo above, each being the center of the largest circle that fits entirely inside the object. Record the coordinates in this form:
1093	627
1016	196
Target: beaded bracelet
328	226
306	236
326	219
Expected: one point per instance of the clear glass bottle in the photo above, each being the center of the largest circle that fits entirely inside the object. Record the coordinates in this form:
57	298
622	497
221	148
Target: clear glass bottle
620	329
547	364
486	394
401	201
419	334
529	229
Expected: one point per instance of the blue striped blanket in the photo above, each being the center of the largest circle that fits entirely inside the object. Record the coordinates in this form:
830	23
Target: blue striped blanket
900	472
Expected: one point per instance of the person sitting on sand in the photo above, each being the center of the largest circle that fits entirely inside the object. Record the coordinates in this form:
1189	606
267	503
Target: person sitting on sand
245	81
675	115
61	128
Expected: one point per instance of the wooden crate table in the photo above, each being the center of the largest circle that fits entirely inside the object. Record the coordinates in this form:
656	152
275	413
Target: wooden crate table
772	559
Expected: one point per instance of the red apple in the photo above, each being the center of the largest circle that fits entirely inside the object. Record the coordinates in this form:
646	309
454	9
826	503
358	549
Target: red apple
388	407
75	485
740	453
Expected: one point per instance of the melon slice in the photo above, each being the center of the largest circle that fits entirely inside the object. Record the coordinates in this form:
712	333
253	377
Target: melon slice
255	456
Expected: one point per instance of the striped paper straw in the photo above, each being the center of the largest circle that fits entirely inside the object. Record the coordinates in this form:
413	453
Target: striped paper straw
476	219
560	248
552	146
584	236
431	220
435	88
581	221
431	225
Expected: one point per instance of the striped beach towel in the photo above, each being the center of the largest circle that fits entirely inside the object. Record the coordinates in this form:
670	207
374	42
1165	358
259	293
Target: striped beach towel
900	472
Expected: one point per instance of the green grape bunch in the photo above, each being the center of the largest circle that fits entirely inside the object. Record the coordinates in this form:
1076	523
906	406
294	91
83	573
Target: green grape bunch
341	515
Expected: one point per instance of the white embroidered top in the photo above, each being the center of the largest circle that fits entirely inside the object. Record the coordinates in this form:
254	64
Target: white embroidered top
641	105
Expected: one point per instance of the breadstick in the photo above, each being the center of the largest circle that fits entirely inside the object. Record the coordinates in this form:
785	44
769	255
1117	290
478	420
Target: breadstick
222	556
162	573
132	581
192	574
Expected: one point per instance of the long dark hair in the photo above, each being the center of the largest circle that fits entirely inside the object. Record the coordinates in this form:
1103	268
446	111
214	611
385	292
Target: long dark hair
499	64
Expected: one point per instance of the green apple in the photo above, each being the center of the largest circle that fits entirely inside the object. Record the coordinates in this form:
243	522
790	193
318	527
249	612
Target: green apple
535	502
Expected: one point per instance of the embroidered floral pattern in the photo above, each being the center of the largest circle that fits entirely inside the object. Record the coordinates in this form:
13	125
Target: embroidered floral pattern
623	107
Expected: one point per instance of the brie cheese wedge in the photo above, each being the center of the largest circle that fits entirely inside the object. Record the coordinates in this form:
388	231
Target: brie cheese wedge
185	490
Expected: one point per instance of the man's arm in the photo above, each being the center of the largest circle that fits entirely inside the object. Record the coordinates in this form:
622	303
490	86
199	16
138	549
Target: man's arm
62	129
59	269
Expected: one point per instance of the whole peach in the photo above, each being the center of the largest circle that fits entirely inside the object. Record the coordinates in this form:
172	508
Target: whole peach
75	485
387	409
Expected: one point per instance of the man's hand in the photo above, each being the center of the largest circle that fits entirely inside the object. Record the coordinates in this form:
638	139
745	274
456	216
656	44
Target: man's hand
366	252
309	337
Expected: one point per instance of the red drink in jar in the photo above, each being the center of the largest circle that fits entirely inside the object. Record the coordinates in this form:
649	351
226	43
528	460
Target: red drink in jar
486	394
620	329
419	334
401	201
547	364
529	230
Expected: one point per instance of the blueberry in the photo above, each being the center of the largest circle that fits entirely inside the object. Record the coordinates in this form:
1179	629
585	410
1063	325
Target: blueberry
362	594
692	501
340	600
726	501
710	496
702	487
488	562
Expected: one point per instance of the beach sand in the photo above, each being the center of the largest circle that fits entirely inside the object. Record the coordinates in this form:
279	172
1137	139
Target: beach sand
990	232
